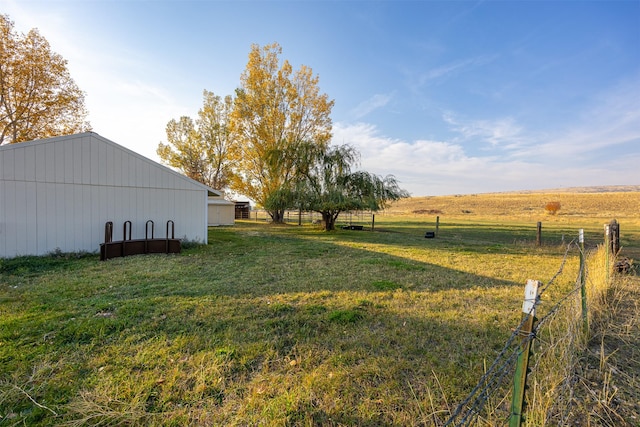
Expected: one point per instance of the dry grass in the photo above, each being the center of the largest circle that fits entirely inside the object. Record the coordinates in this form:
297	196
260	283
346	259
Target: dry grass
528	206
590	378
558	347
607	380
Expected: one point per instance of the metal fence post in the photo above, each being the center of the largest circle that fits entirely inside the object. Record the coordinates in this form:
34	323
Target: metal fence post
606	252
583	284
522	364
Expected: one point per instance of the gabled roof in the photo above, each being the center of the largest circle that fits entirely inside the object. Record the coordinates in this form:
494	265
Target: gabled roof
24	145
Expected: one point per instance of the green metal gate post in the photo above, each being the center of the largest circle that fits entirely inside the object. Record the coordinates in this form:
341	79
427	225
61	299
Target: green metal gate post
607	245
522	365
583	284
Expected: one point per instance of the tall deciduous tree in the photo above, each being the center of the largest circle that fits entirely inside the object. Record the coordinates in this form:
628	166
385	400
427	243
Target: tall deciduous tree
214	127
38	97
184	150
276	109
202	150
330	186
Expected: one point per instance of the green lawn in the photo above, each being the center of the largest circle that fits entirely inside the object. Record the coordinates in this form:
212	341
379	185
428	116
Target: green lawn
271	325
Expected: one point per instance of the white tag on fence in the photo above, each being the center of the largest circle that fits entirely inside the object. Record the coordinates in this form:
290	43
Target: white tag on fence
530	297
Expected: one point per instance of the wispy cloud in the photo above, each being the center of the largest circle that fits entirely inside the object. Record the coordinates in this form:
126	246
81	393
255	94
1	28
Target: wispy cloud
427	167
445	70
505	131
611	122
378	100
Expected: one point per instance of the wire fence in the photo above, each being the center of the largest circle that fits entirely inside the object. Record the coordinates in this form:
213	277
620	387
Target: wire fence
360	218
558	335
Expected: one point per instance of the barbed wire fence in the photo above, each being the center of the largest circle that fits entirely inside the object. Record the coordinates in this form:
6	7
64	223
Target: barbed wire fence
556	345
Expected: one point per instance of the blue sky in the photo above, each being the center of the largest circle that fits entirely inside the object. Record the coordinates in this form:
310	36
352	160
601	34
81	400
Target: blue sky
451	97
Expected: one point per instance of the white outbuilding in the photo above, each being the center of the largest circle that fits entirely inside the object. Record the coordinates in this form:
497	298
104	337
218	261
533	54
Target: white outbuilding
57	194
220	212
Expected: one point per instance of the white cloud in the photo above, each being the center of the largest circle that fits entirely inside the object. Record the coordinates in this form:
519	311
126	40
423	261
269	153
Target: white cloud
423	167
426	167
610	121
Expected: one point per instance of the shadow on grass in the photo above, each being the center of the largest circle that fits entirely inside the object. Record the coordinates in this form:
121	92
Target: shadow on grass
358	362
509	237
34	265
368	330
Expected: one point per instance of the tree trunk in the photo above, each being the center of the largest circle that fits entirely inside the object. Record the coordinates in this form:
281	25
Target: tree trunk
329	221
277	216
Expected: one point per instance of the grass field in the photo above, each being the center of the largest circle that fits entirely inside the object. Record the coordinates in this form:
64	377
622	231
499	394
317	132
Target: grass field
287	325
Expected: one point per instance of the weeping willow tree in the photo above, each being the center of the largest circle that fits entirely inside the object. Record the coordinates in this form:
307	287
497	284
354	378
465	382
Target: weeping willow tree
329	186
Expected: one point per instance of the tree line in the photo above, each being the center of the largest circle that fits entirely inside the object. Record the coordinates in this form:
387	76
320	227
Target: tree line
269	141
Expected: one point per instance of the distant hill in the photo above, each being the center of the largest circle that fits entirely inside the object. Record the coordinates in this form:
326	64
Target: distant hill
591	189
595	202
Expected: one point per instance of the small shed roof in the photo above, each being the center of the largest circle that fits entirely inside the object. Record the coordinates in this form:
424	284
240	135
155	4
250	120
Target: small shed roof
219	201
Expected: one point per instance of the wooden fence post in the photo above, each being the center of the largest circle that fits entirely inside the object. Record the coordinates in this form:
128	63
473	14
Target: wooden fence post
437	225
614	237
539	234
522	364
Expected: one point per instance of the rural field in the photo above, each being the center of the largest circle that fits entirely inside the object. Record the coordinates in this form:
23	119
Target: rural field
287	325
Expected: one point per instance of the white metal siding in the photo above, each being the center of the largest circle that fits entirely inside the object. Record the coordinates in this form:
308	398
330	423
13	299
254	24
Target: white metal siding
58	194
221	214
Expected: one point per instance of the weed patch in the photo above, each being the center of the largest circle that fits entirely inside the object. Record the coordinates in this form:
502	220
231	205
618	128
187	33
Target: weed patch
385	285
345	317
